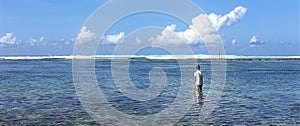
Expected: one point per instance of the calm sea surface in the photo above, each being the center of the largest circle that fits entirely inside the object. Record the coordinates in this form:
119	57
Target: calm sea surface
37	92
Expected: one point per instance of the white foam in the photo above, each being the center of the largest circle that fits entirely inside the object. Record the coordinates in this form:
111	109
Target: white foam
149	57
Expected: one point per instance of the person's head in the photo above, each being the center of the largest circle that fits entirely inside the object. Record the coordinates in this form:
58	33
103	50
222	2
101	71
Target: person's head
198	67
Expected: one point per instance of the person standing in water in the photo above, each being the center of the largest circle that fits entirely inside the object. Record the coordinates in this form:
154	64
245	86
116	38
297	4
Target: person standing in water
198	80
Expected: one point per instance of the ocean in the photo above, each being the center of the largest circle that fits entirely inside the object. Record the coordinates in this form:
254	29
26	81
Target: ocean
42	92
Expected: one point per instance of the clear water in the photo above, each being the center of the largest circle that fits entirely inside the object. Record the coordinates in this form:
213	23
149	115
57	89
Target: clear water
256	92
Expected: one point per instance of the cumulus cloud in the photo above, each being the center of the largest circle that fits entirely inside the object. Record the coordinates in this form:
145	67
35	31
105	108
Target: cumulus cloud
204	24
169	36
8	39
85	35
218	21
189	36
255	42
114	39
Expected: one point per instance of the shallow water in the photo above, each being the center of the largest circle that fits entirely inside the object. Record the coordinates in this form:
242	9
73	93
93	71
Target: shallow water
255	92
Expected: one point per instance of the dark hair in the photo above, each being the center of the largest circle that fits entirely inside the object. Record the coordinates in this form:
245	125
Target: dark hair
198	67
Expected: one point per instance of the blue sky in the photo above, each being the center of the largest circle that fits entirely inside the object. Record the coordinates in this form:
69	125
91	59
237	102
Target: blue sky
50	27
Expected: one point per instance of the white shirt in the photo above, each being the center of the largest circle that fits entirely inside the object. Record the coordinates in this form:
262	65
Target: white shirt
197	74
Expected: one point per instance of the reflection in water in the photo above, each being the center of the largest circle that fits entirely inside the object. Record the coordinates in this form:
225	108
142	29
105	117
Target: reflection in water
199	98
192	117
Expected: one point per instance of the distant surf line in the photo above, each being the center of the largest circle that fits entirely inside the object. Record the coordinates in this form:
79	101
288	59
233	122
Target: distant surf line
154	57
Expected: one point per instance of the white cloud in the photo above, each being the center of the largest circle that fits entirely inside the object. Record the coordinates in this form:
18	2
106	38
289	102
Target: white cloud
32	41
85	35
255	42
218	21
190	35
115	38
236	15
68	42
8	39
42	39
234	42
168	36
203	23
37	41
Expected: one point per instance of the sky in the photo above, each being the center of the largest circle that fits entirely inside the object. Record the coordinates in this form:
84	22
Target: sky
51	27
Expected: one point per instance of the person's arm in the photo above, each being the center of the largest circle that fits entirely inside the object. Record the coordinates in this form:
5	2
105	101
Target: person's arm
195	79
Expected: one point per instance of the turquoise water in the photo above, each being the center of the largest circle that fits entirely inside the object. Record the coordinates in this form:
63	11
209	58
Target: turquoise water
255	93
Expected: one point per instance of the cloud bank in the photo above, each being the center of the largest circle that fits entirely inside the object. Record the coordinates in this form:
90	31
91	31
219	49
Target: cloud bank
203	22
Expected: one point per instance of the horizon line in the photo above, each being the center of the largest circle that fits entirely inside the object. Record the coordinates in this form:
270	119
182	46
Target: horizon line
153	57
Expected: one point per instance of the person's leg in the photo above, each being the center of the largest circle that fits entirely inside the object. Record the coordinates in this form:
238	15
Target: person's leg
200	87
197	90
